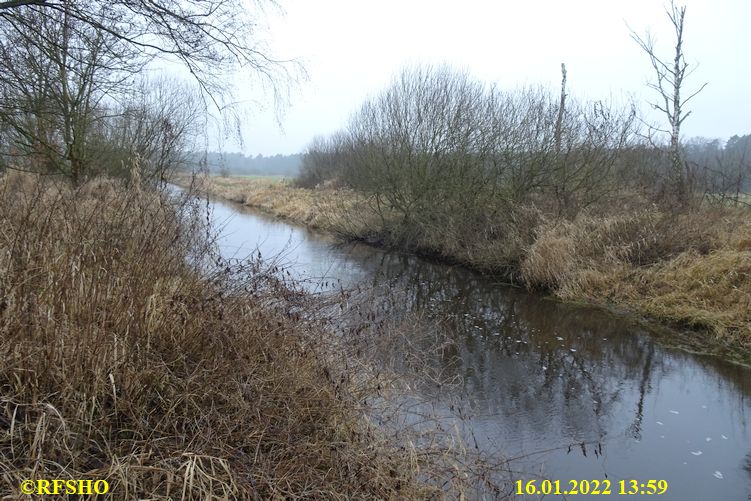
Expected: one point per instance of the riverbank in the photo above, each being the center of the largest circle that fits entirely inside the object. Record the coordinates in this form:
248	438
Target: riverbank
131	353
690	271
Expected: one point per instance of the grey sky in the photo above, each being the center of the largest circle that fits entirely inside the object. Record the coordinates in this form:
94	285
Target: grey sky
352	49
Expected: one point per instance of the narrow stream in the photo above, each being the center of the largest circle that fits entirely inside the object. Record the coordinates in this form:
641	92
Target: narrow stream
545	376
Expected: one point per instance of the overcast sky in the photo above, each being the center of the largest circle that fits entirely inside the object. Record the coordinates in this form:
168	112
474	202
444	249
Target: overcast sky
352	49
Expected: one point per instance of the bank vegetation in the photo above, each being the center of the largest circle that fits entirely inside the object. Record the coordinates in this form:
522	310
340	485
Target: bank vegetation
572	198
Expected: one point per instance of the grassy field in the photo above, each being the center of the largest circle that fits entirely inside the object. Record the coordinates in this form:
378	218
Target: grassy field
126	356
691	270
261	177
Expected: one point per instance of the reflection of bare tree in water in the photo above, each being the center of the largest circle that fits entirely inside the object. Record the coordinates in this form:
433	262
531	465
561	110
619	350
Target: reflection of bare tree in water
546	354
644	386
572	376
517	354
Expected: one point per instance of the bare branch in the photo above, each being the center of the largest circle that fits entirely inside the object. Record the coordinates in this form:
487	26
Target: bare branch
669	80
209	37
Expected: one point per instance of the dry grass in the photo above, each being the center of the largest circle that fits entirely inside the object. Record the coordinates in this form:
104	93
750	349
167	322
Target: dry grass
563	249
691	270
711	292
129	352
335	210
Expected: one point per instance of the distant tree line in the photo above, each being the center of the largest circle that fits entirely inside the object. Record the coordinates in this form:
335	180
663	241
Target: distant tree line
238	164
723	171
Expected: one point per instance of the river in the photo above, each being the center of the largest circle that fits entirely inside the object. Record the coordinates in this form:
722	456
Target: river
576	392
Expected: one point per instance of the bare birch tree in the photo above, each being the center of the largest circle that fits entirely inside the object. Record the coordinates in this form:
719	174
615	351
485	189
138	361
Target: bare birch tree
670	76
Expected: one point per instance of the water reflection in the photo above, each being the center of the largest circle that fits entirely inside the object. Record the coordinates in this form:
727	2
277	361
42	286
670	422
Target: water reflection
603	393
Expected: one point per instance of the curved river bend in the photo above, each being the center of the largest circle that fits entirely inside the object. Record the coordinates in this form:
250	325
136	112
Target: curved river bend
543	375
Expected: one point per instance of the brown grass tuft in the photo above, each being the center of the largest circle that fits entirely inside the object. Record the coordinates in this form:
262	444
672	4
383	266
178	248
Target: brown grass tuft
711	292
690	269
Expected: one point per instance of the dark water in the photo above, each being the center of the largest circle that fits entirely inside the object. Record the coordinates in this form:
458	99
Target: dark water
544	376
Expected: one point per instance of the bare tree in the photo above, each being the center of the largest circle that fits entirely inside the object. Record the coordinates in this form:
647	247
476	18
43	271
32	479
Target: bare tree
422	146
561	110
209	37
56	76
158	123
670	79
71	102
67	68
